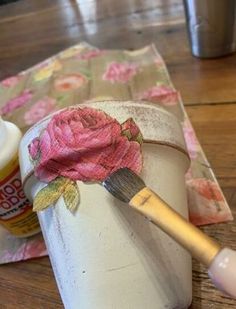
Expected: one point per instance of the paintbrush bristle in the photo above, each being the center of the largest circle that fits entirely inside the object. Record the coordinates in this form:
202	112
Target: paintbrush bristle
124	184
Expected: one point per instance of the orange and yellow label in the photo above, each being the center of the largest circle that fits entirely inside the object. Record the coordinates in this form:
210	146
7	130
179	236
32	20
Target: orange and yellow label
15	210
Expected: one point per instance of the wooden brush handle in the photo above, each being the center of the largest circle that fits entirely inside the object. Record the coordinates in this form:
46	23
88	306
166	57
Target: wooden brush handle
202	247
221	263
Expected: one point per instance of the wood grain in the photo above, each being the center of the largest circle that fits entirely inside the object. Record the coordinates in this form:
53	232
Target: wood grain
215	127
27	285
32	30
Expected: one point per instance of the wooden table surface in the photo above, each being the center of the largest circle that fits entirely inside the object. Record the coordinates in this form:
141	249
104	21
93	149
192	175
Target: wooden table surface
31	30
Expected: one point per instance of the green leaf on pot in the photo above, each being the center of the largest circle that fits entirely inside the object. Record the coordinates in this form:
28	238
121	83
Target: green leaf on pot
48	195
71	196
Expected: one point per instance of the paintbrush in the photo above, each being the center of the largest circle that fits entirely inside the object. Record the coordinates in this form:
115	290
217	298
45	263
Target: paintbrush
128	187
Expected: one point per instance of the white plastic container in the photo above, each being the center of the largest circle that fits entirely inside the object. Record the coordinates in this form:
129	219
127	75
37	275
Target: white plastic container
105	255
15	210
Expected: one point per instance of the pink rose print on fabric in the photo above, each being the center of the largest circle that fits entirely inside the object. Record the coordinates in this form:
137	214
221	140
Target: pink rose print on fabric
34	249
83	144
69	82
206	202
160	94
29	249
39	110
90	54
119	72
46	69
191	139
16	102
10	81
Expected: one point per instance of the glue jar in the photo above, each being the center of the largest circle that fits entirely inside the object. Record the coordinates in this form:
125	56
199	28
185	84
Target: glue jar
15	210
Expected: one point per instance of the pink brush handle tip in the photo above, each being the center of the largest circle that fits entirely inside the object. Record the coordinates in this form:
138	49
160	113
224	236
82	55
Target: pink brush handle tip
222	271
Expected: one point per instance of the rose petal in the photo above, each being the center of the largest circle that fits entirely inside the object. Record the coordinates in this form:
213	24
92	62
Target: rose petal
85	144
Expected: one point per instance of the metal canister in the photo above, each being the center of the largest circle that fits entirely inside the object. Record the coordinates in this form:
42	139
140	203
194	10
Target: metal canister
211	27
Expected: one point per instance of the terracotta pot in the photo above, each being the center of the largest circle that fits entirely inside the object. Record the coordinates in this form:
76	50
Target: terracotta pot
106	255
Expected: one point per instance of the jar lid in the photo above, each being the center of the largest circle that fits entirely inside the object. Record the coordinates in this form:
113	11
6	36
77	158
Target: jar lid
156	124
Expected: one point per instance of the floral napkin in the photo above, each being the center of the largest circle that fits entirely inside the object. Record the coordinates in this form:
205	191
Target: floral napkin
83	73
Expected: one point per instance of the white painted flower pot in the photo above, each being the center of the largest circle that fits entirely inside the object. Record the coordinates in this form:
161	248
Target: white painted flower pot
105	255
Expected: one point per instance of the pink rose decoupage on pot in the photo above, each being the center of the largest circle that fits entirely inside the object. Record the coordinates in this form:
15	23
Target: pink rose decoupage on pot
103	254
